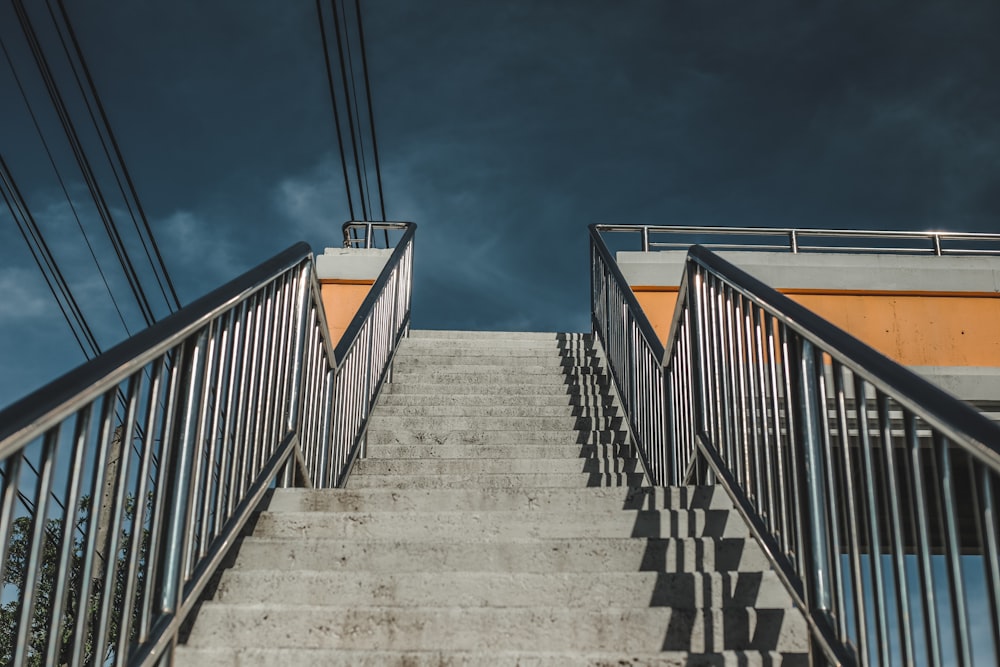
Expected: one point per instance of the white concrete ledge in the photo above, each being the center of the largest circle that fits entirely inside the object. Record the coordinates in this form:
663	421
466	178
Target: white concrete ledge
840	271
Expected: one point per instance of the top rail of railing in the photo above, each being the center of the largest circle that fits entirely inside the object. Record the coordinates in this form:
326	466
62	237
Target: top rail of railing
126	481
27	417
362	234
796	240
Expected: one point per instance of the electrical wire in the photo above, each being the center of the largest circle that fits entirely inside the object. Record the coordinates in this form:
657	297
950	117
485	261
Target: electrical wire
173	302
40	252
350	115
83	162
371	114
353	97
62	184
333	100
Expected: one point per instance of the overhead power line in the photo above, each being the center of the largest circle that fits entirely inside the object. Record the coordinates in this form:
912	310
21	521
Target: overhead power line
42	254
333	100
62	184
159	267
357	104
84	163
371	113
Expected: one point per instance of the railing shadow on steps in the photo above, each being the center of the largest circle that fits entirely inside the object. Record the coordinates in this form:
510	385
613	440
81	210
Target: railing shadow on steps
126	481
872	492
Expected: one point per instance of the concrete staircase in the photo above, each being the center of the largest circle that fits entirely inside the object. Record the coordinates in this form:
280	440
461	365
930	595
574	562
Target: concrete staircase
500	518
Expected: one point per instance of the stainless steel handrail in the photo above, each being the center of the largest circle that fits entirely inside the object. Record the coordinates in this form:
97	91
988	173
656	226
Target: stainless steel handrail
865	484
126	481
797	240
362	234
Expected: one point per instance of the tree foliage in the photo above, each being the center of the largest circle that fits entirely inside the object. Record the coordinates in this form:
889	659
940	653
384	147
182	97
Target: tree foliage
47	577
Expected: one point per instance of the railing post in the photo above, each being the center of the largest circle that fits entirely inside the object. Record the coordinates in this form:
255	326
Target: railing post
193	359
645	238
298	354
819	593
699	362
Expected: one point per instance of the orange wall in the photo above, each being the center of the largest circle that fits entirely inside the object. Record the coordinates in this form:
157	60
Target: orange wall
341	300
914	328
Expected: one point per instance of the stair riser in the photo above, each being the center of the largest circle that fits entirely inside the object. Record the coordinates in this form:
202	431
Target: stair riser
499	374
538	499
494	481
381	421
511	629
549	555
222	657
458	526
486	336
418	362
476	589
470	466
499	451
577	392
377	436
508	411
389	400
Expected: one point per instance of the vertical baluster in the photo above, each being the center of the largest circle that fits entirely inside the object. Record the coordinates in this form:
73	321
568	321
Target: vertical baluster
850	494
64	579
921	524
37	536
779	479
138	543
988	500
874	535
949	511
833	499
895	532
81	631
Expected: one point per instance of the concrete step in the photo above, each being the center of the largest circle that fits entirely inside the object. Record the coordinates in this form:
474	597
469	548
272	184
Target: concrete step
468	628
304	657
415	386
451	334
495	481
382	421
553	345
406	367
469	466
414	360
500	525
499	377
396	399
522	555
500	451
681	590
382	436
511	411
531	500
415	350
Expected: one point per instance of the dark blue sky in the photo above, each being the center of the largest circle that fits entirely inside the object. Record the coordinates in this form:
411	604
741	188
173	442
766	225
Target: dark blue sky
504	129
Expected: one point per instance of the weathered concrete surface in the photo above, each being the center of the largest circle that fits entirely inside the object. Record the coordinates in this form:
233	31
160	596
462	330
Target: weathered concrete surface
301	657
498	520
351	263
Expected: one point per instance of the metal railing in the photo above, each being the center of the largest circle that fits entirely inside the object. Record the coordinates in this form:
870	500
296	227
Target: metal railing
788	239
362	234
126	481
873	492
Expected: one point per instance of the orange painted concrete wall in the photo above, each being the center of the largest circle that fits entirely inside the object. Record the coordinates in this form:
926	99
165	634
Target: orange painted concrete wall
914	328
341	300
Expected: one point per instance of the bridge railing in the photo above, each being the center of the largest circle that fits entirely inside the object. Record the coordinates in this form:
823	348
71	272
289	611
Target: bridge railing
126	481
873	492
